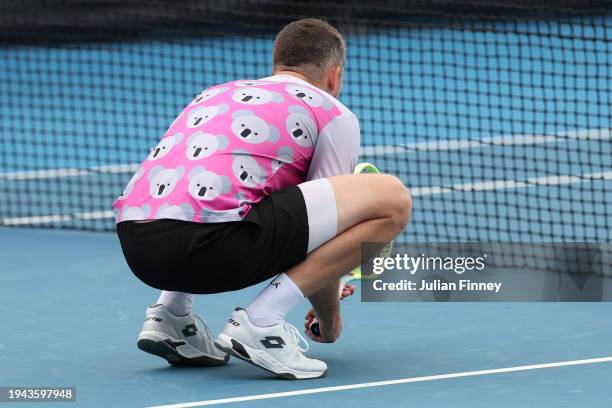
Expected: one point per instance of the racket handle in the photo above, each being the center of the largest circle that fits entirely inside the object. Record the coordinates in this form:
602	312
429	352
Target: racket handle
314	327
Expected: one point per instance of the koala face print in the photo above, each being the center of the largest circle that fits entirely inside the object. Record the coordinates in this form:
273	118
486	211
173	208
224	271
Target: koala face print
162	181
206	185
205	114
255	96
208	94
250	128
300	126
164	146
310	97
201	145
129	213
208	214
246	169
183	212
285	156
242	199
130	185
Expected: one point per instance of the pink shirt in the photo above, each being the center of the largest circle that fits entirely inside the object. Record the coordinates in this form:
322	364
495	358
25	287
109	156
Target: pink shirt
236	143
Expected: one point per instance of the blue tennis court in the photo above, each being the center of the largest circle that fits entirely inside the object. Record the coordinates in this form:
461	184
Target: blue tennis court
77	326
501	130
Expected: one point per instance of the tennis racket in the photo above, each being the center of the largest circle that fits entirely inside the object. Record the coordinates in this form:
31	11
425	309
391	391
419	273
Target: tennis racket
355	274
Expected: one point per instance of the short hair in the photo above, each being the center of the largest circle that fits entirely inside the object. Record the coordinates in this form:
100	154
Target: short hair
310	44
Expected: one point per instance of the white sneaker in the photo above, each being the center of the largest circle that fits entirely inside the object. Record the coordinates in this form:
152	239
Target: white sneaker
275	348
178	339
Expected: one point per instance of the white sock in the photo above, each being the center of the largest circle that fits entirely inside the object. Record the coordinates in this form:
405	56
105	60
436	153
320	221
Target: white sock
274	302
178	303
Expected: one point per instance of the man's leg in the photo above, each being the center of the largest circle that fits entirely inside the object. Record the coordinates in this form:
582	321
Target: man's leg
170	329
368	207
371	208
376	217
365	207
179	303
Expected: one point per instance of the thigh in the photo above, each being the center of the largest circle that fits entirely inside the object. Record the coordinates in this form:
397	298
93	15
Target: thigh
363	197
321	210
337	203
282	237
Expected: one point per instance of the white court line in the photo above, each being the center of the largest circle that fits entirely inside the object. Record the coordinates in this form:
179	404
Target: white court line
507	140
588	134
415	191
45	219
69	172
511	184
384	383
442	145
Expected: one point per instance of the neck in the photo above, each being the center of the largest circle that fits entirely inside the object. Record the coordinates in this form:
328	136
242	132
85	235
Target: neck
294	74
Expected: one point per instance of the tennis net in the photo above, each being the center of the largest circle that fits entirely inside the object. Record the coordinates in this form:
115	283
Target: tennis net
497	115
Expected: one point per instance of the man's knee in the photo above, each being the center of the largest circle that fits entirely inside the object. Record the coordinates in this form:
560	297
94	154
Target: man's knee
365	197
405	208
400	202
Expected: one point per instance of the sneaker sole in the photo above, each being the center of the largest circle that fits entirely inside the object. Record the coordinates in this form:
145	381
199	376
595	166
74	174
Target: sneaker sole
172	356
239	350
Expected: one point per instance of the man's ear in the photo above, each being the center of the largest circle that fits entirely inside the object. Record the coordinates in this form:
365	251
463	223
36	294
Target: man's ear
333	79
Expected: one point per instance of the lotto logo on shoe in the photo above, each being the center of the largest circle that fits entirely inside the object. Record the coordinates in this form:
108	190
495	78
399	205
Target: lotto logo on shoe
190	330
233	322
155	319
273	342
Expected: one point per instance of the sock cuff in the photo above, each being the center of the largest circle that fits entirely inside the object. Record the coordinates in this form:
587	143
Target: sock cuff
175	297
179	303
283	278
274	302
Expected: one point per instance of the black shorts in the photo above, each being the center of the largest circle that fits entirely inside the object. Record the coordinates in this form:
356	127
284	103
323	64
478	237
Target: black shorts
219	257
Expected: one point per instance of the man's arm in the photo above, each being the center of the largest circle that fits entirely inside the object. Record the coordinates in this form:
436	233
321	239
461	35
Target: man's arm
336	153
326	308
337	148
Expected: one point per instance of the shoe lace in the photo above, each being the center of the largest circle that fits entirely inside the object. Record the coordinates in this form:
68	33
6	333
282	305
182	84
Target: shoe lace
205	325
297	337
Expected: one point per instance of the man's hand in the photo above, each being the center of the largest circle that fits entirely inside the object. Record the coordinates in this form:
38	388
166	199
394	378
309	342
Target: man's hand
330	331
347	291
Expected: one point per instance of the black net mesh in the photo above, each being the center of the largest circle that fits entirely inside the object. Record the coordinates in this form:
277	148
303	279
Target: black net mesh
495	114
